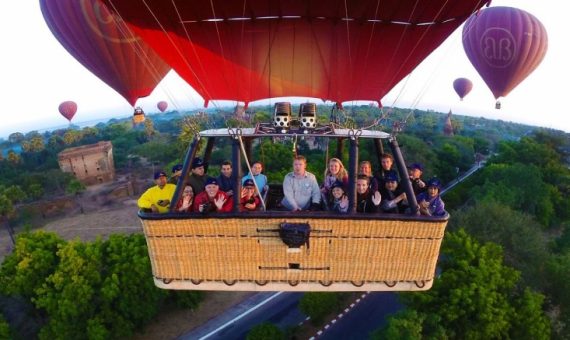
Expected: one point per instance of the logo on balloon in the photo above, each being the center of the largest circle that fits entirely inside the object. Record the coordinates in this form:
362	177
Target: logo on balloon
498	46
106	24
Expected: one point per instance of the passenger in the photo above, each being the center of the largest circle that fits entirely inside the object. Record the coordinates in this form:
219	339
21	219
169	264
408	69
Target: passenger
365	168
197	178
185	204
259	178
157	198
393	199
334	172
415	173
366	201
212	199
338	201
430	202
386	162
249	201
176	173
226	178
300	188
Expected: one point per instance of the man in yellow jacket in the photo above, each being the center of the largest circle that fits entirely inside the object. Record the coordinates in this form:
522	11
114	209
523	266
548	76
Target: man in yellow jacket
157	198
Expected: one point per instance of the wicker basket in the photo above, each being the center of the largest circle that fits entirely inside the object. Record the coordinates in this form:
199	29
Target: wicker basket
349	253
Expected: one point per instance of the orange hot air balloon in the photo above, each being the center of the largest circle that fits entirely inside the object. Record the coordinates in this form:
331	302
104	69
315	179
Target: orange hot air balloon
68	109
105	46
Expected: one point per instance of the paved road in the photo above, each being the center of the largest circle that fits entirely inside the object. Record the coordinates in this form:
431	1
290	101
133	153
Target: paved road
368	315
278	308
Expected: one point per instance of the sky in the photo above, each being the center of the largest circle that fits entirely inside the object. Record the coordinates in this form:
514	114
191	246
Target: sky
37	74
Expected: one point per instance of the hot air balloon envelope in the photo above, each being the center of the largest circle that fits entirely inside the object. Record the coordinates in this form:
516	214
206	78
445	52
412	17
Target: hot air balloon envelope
505	45
331	49
462	87
105	46
162	105
68	109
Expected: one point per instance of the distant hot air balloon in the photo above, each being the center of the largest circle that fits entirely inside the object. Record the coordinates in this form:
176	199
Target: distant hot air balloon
68	109
105	46
505	45
462	86
162	105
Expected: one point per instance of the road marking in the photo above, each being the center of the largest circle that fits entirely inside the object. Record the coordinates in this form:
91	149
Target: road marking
241	316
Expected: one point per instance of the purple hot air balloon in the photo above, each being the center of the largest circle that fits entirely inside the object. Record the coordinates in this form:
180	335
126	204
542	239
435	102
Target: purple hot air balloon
105	46
462	86
162	105
505	45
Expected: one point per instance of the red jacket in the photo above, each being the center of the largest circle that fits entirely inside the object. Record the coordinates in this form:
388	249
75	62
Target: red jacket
202	198
244	200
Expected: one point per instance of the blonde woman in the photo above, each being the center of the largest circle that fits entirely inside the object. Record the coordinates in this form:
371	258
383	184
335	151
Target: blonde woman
335	172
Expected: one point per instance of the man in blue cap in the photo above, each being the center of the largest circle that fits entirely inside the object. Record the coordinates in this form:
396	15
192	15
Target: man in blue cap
430	201
212	199
394	200
415	171
176	173
197	178
157	198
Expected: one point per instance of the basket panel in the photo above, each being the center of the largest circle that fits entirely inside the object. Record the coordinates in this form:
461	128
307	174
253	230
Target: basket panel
250	250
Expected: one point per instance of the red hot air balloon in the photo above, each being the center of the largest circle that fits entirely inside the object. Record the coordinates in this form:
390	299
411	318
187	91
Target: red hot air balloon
162	105
105	46
462	86
331	49
68	109
505	45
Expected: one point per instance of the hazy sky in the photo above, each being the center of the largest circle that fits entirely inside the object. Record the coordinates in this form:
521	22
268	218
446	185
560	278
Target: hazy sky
37	74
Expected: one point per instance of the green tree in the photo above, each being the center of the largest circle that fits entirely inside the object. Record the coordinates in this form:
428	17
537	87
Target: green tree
4	329
13	157
476	297
317	305
35	191
72	137
32	260
265	331
405	325
519	234
37	143
16	137
15	193
74	187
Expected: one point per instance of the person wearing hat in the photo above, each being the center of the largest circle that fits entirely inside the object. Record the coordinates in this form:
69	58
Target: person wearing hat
415	171
249	200
176	173
157	198
366	200
197	178
393	199
212	199
337	201
259	178
430	201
